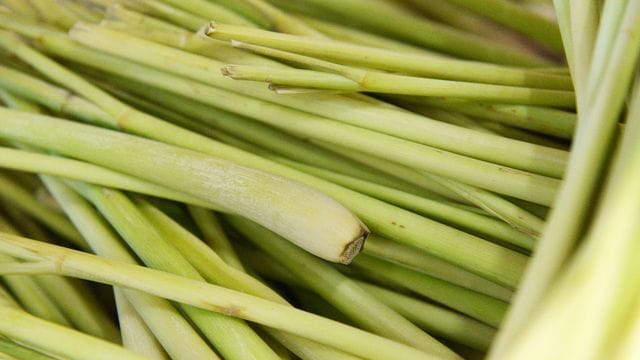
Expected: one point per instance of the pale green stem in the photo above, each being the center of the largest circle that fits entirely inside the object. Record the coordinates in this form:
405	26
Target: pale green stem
280	20
584	28
209	297
478	306
136	336
338	290
174	332
57	340
167	12
21	198
232	338
401	254
389	18
212	232
591	146
409	63
518	18
547	121
12	351
118	18
210	10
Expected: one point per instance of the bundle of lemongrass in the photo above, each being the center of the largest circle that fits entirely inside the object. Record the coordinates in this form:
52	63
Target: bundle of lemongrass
319	179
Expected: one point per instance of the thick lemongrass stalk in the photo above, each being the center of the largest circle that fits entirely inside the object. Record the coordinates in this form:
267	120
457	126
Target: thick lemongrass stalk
51	12
214	270
436	210
119	18
198	171
136	336
372	57
517	17
214	236
547	121
57	340
478	306
49	258
443	322
174	332
164	11
470	253
21	198
591	146
338	290
369	115
390	18
406	256
232	338
602	280
23	160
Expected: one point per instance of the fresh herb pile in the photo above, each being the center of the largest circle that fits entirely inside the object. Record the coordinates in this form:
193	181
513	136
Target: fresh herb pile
319	179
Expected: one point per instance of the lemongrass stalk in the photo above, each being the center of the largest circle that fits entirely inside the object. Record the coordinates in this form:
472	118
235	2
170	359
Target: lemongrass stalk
57	340
10	350
371	142
376	213
401	254
119	18
338	290
410	63
353	35
20	198
214	270
389	18
53	98
82	10
22	160
51	12
174	332
436	210
280	20
517	17
136	336
208	297
523	135
213	234
231	337
478	306
563	17
440	321
31	296
210	10
346	234
22	8
167	12
548	121
14	102
602	277
493	204
584	29
590	148
269	138
369	115
380	82
628	347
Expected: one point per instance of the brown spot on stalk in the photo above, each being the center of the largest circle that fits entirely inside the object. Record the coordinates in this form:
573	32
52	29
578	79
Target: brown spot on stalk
354	247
